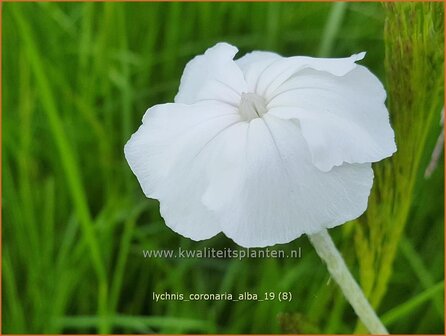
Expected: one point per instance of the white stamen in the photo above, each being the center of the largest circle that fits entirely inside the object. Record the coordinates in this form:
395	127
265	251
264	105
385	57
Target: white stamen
252	106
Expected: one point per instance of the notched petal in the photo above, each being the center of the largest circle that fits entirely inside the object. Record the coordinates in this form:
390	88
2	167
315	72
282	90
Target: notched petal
212	76
343	119
271	192
286	68
169	155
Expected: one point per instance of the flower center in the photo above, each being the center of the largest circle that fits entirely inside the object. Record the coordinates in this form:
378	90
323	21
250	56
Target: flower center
252	106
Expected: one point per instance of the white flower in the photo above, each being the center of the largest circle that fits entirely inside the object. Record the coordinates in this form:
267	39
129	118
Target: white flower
264	148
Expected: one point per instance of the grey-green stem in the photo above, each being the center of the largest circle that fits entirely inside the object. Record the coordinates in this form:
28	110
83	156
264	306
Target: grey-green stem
326	249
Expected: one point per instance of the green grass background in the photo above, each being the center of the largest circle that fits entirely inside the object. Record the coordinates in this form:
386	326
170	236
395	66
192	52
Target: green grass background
77	78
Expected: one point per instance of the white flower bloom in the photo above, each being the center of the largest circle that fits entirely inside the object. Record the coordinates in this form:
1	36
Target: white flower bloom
264	148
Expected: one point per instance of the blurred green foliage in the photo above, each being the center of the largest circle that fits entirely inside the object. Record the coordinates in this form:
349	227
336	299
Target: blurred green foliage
414	42
77	78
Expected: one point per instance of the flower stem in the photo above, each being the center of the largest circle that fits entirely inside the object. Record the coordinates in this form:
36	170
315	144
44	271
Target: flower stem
328	252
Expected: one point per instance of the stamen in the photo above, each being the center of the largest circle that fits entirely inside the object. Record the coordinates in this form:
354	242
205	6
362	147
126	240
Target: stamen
252	106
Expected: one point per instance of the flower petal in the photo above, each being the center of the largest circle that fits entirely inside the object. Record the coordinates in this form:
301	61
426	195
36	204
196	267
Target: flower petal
284	69
272	193
168	154
253	64
343	118
212	76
